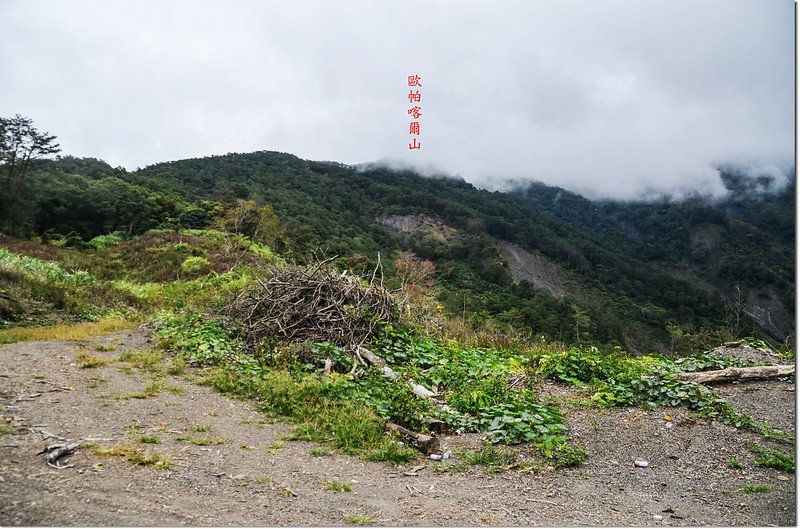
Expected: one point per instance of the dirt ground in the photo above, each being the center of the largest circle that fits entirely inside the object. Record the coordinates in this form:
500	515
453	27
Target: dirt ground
254	478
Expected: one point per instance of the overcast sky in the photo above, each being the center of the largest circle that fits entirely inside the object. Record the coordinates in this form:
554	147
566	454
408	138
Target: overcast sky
607	98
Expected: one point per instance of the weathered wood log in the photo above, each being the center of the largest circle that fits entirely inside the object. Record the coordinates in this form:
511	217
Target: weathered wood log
56	452
370	357
427	444
733	344
421	391
737	373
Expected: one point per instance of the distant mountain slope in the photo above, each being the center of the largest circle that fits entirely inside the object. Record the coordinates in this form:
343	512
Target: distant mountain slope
740	248
638	274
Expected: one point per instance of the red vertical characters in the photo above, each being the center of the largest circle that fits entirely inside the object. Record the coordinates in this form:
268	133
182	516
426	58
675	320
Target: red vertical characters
414	96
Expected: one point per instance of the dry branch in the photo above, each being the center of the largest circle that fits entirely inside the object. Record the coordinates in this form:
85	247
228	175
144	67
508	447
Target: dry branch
57	451
316	304
737	373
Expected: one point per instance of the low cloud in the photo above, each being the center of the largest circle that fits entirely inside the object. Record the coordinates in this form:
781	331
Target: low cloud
611	99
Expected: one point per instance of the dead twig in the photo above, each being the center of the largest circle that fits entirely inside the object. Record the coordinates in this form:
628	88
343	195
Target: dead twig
316	304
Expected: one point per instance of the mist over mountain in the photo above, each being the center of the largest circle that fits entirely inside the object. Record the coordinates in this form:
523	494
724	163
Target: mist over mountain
644	274
615	99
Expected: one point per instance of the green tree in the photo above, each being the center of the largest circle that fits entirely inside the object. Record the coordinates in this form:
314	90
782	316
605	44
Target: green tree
20	145
261	224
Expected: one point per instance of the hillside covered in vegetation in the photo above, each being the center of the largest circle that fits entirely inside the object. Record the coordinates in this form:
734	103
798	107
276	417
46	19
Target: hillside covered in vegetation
658	276
352	301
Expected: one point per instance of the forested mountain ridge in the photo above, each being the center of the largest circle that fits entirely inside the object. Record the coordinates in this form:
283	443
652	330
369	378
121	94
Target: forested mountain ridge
646	275
740	247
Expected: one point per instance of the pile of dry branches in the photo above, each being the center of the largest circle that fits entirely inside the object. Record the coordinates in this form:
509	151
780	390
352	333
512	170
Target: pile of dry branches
316	304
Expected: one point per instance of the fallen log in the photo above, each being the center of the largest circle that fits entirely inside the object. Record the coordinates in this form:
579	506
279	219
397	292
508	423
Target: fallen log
421	391
427	444
737	373
372	359
369	356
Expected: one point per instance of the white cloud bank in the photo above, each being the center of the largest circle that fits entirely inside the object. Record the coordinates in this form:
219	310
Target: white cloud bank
607	98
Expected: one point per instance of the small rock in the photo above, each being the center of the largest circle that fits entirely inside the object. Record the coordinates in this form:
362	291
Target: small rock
641	463
436	457
657	517
783	478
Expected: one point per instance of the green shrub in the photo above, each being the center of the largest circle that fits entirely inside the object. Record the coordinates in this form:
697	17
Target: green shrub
194	265
103	242
198	339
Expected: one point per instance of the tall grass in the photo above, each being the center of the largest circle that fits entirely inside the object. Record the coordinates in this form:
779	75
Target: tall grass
67	331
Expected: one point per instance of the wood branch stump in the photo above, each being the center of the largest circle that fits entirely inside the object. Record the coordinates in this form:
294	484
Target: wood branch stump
737	373
427	444
437	426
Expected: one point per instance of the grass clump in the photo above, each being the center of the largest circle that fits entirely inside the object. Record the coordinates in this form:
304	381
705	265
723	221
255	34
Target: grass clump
319	452
359	519
177	366
319	414
566	455
335	486
146	359
735	464
87	361
95	382
756	489
4	430
391	452
135	456
200	428
201	441
273	448
149	439
776	459
153	389
492	457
